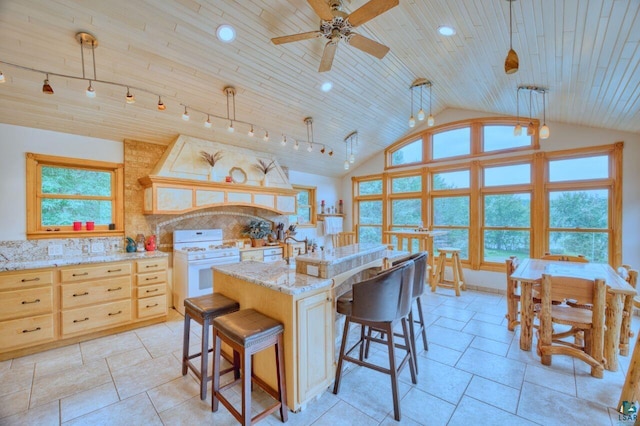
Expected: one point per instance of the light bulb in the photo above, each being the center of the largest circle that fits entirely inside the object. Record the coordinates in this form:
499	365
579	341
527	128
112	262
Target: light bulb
130	98
517	131
431	121
346	164
185	115
421	114
310	148
251	133
266	137
283	142
352	158
331	153
230	128
412	121
530	129
91	93
207	123
296	146
544	132
161	106
322	150
2	80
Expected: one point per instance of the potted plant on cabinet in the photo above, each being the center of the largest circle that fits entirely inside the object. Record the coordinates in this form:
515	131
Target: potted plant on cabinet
257	230
264	168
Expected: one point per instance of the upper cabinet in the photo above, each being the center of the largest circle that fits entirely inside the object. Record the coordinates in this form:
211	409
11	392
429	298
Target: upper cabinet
164	195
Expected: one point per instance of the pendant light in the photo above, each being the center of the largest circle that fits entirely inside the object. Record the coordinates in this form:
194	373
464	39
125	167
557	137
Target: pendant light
412	121
511	62
130	99
2	79
230	92
544	130
430	120
517	131
207	124
251	132
530	130
161	106
185	115
346	160
421	111
46	87
91	93
266	137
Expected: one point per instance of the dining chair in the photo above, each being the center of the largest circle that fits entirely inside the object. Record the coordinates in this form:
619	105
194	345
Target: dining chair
513	294
589	321
630	275
342	239
565	257
380	302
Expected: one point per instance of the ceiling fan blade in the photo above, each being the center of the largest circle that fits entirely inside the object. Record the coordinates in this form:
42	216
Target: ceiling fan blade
327	56
369	46
370	10
296	37
322	9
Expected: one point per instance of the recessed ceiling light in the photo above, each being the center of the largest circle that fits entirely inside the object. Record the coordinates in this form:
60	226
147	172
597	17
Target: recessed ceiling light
326	86
226	33
446	30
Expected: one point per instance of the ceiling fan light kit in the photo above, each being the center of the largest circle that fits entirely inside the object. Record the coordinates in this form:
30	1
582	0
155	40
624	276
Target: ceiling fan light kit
336	25
511	63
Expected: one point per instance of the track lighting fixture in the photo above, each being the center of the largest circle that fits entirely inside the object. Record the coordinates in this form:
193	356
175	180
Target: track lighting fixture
161	106
251	133
91	93
296	146
185	115
283	142
511	63
46	87
130	99
2	80
207	123
230	127
266	137
420	82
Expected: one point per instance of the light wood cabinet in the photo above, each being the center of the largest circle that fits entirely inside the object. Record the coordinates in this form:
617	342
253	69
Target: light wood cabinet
26	309
151	288
262	254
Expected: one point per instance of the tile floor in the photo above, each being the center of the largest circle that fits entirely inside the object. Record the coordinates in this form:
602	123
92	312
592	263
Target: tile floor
473	373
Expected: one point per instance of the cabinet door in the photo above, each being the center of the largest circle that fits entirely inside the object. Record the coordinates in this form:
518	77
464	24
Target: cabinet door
315	349
257	255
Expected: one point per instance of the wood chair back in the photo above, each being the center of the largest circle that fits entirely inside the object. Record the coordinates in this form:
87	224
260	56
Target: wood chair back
513	296
565	258
629	275
342	239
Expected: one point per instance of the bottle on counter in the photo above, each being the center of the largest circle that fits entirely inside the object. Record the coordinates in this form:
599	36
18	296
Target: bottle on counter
340	207
322	207
140	242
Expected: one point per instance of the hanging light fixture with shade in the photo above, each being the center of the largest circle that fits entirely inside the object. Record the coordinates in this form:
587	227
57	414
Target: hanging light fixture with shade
46	87
517	131
511	63
531	127
349	141
421	82
130	99
544	130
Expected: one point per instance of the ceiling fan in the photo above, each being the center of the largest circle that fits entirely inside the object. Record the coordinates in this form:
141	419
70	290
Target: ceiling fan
335	25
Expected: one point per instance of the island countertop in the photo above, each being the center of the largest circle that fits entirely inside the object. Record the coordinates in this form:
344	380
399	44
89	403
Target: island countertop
277	276
329	263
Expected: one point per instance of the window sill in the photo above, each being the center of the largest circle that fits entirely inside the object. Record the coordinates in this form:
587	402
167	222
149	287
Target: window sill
41	235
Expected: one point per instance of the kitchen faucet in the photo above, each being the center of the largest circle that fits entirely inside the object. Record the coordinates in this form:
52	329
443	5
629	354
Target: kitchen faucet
289	253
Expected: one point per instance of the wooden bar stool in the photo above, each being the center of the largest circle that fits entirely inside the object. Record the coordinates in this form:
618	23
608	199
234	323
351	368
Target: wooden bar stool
248	332
458	281
203	310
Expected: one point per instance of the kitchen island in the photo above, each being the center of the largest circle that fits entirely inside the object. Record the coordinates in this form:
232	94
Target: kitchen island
305	304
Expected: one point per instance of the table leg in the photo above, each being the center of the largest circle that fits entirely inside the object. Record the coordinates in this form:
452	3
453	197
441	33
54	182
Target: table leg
625	329
612	333
526	316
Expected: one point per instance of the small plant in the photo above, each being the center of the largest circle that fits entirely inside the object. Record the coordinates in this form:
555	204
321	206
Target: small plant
212	159
264	167
257	229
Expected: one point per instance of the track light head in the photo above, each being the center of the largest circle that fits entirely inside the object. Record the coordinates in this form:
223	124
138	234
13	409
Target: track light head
46	87
2	79
161	106
207	123
185	115
130	98
266	137
91	93
251	133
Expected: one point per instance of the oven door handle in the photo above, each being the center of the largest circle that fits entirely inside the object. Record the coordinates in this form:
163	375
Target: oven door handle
214	262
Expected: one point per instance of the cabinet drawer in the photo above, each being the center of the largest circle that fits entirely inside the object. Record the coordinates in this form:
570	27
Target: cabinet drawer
22	303
26	332
95	317
273	251
152	278
151	265
90	272
86	293
25	279
252	255
152	306
151	290
272	258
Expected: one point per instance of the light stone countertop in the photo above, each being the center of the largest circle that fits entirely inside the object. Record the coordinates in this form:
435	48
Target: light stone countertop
56	261
277	276
341	254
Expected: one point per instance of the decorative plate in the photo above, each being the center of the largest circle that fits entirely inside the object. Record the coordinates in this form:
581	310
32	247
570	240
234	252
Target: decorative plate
238	175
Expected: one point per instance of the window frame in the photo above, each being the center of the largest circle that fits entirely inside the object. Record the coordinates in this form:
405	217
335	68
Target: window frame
35	229
313	219
357	198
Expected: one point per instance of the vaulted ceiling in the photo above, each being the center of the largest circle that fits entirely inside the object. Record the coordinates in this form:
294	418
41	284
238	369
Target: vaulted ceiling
587	53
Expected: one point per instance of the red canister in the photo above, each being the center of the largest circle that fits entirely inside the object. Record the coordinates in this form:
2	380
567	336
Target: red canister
77	226
90	226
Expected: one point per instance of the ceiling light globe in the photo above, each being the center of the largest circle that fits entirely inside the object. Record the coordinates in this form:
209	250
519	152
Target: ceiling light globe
230	128
251	132
310	148
431	121
207	124
412	121
544	132
326	86
421	115
531	129
226	33
185	116
511	63
346	164
446	30
91	93
517	131
352	158
130	98
331	153
161	106
46	88
2	79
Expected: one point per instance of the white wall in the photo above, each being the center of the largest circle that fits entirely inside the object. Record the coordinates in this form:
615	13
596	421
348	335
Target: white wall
563	136
15	141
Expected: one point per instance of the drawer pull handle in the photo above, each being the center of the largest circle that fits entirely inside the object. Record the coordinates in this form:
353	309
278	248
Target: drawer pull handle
24	280
32	330
114	313
114	289
86	293
82	320
80	275
153	291
114	270
152	266
151	279
24	302
152	306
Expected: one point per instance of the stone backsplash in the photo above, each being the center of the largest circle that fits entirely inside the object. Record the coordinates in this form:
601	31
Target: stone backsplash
31	250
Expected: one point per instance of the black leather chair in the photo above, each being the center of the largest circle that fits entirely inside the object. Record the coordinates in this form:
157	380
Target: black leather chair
380	302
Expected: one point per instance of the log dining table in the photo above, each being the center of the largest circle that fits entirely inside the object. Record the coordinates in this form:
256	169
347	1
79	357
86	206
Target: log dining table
529	273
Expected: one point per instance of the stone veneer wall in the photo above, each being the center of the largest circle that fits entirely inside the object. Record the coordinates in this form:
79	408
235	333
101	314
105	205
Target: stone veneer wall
139	160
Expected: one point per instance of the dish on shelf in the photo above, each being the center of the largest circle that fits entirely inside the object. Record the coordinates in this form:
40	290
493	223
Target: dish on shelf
238	175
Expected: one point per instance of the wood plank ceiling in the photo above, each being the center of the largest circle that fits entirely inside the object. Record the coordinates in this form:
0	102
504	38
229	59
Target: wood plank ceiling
586	52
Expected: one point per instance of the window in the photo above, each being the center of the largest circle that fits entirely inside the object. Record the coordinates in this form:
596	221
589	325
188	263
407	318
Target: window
507	175
61	191
409	153
507	226
368	209
406	184
497	138
451	214
451	143
305	206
